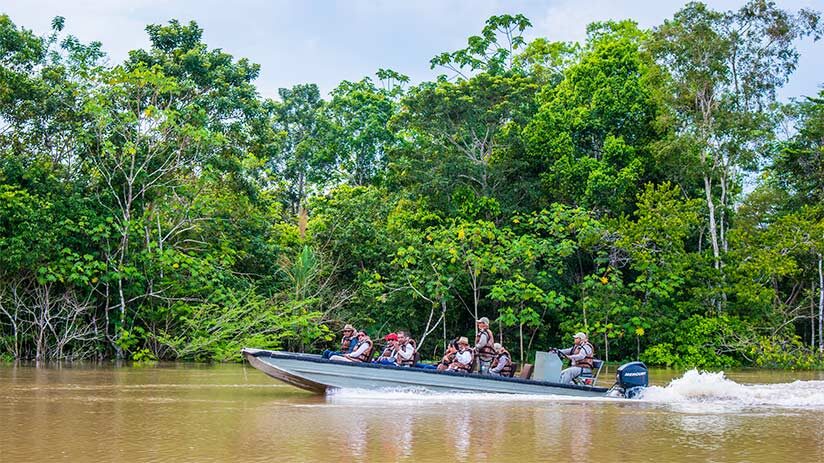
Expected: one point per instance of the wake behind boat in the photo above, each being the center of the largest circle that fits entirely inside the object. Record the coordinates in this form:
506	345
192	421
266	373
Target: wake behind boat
316	374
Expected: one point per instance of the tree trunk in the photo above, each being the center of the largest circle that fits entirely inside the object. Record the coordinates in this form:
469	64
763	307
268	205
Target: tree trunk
637	347
443	308
812	315
606	347
722	214
476	296
713	226
820	304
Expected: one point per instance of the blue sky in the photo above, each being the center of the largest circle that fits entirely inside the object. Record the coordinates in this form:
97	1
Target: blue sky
328	41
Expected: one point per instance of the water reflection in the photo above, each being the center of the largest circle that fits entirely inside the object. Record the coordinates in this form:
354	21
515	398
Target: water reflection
702	431
356	432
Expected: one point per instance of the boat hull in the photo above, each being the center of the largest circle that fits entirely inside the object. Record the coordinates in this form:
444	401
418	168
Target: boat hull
315	374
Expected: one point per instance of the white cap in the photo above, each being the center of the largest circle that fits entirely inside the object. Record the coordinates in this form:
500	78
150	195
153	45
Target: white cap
580	335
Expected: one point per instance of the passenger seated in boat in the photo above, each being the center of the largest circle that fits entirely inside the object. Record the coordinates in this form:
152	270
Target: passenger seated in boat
405	350
502	363
362	352
387	357
347	343
580	356
449	356
464	358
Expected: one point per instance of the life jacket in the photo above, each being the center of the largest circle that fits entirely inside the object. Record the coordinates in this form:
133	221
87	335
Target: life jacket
509	369
448	358
460	366
346	342
367	354
411	360
485	353
585	362
388	351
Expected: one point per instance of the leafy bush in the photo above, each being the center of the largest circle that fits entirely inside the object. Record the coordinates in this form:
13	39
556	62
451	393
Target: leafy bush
771	352
698	342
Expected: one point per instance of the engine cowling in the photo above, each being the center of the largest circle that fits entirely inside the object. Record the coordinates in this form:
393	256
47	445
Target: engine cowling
632	378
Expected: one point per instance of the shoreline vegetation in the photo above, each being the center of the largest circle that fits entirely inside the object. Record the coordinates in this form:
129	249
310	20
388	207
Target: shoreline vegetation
643	186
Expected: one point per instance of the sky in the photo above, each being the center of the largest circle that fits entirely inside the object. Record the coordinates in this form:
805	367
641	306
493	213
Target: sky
325	41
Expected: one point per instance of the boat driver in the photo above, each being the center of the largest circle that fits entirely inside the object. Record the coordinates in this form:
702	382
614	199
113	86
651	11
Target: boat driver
580	356
502	364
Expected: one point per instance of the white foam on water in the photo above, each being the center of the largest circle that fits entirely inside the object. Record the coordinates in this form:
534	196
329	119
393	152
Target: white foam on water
713	391
694	392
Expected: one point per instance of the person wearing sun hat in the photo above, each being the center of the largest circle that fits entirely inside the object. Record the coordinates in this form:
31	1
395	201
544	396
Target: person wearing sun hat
347	343
464	358
362	352
580	356
502	364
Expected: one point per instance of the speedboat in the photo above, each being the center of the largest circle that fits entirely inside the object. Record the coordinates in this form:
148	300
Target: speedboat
314	373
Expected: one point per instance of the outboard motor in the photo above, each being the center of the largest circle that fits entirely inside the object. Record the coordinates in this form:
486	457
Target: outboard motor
630	380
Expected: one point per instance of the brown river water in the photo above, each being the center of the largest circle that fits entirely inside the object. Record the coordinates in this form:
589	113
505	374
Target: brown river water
234	413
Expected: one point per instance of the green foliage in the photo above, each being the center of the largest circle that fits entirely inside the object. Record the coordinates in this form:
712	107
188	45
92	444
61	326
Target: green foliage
775	352
698	342
799	165
161	209
219	332
303	161
359	114
459	132
593	129
493	51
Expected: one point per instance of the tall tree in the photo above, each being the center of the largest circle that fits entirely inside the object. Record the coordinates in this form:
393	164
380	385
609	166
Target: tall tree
359	135
725	69
494	51
593	132
302	163
461	124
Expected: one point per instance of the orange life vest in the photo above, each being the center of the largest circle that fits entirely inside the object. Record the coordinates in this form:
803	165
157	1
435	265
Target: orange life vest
388	351
460	366
367	354
509	369
345	343
585	362
448	358
411	360
485	353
